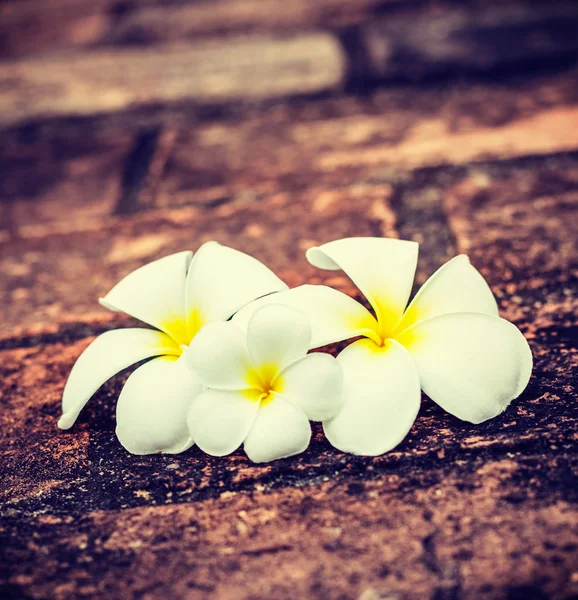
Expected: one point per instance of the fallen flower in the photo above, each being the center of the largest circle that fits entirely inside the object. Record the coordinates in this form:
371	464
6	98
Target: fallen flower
449	341
178	295
263	387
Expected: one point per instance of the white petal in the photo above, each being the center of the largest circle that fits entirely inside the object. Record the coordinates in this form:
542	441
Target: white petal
455	287
155	294
222	280
333	316
218	357
281	429
314	383
277	335
219	421
473	365
151	414
106	356
381	399
382	268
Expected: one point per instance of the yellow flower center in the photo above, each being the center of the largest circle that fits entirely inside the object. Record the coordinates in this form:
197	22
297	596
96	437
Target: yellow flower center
262	382
182	330
384	331
380	331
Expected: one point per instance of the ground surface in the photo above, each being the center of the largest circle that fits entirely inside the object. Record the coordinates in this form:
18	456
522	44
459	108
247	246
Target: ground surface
470	150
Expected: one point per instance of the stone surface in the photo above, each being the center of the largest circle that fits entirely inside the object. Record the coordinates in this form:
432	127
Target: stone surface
74	171
518	222
456	534
245	69
41	274
456	511
31	27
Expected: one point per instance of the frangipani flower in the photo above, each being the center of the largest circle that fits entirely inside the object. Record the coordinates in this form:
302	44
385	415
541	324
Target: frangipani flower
449	340
178	295
262	386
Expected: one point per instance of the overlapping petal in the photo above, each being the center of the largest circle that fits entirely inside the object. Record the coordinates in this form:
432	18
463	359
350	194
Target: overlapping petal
315	384
381	399
219	421
333	316
151	413
457	286
383	269
218	356
471	364
155	294
271	413
106	356
277	335
222	280
281	429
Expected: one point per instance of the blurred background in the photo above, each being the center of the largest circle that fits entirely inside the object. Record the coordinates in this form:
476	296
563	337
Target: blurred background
276	125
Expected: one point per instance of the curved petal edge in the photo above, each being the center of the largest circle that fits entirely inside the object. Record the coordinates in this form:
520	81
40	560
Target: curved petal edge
107	355
381	399
472	364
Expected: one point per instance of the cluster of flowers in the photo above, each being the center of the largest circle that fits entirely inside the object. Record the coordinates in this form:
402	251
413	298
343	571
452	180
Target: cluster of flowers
230	362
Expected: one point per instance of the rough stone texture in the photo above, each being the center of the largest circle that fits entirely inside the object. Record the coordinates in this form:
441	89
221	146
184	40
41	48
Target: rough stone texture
456	511
457	536
73	171
518	222
41	274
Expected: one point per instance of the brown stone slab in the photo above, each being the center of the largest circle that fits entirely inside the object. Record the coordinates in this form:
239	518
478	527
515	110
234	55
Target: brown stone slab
432	142
28	396
385	39
76	179
86	469
466	38
393	132
457	534
81	466
61	171
455	511
31	27
518	223
516	219
251	68
61	275
54	276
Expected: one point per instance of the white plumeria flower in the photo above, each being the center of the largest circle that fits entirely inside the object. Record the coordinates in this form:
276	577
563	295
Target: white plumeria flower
449	341
178	295
262	386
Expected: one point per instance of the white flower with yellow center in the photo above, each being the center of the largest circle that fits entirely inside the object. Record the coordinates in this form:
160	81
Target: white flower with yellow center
263	388
178	295
449	341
